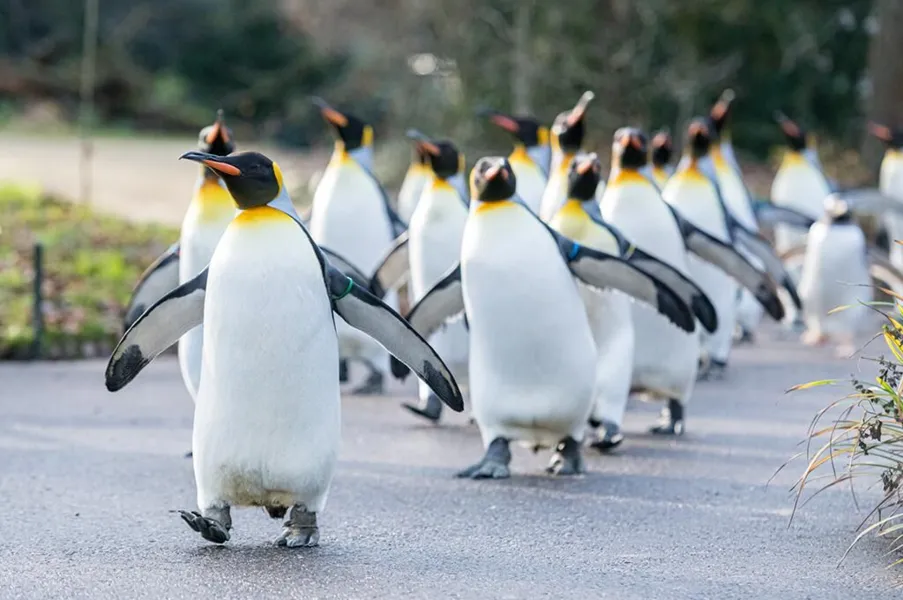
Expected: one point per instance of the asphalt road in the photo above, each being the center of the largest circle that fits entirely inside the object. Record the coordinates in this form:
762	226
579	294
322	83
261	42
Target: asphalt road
87	480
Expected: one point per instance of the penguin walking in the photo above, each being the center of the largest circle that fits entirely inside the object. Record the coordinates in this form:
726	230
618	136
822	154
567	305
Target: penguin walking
351	215
532	356
799	183
531	156
835	274
739	203
891	185
567	133
666	358
267	418
434	246
209	213
609	312
660	168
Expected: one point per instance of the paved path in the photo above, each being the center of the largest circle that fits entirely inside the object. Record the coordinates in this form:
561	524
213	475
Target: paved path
87	479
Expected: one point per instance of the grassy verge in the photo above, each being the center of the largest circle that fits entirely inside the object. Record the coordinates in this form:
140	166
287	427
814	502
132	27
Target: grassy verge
91	263
859	439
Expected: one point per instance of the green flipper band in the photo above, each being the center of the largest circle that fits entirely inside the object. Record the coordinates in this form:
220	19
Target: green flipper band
347	290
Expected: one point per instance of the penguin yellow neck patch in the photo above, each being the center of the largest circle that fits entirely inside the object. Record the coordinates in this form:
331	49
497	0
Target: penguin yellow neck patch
212	201
519	154
625	177
260	215
792	158
485	207
692	174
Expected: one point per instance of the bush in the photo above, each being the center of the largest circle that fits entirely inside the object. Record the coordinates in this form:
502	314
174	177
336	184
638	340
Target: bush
91	263
860	436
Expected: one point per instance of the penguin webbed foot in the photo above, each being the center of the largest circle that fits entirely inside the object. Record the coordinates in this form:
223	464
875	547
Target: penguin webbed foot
744	336
431	411
212	529
374	385
300	530
567	459
713	370
493	465
606	437
672	420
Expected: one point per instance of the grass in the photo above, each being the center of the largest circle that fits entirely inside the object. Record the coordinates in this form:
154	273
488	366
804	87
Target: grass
91	263
859	438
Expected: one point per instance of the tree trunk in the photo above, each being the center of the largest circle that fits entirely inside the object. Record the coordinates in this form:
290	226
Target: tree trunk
520	74
886	74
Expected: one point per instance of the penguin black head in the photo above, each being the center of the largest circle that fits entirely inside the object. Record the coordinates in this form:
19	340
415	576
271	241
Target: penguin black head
793	132
352	132
252	178
492	179
583	177
442	156
629	149
662	148
699	136
569	127
217	138
721	111
525	129
892	138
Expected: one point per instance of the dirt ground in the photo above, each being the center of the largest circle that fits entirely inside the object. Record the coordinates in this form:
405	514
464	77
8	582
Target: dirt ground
138	178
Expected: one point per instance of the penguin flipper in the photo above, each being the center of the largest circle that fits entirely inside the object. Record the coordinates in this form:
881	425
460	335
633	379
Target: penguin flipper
870	201
726	258
601	270
772	214
364	311
761	248
158	328
158	279
393	269
345	266
442	303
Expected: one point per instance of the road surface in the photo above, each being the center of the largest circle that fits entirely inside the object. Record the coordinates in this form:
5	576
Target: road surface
87	480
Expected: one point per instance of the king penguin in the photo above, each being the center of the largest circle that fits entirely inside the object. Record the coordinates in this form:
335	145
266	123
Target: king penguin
567	133
531	156
799	183
434	246
532	356
351	215
609	312
209	213
660	168
267	418
415	178
891	185
835	275
666	358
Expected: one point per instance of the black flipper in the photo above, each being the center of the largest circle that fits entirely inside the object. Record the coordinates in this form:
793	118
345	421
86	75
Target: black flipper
601	270
364	311
345	266
160	277
161	326
393	269
761	249
726	258
772	214
442	303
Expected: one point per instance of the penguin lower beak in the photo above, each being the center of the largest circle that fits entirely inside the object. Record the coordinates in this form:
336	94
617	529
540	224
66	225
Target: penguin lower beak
882	132
579	110
505	122
697	129
215	132
660	140
423	142
787	125
493	172
213	161
586	166
331	115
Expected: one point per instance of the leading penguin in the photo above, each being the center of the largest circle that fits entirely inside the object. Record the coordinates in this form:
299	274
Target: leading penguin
531	156
209	213
267	419
351	215
532	355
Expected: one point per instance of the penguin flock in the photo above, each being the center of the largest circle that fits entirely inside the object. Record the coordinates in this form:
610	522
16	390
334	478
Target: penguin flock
553	289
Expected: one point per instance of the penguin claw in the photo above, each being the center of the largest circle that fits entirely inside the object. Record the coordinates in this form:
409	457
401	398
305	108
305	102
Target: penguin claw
494	465
210	529
607	437
300	530
672	422
567	459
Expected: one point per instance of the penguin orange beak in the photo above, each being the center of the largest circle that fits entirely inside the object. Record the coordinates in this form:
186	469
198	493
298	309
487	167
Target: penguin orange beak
423	142
493	172
787	125
579	111
660	140
505	122
586	166
698	129
216	132
330	114
212	161
882	132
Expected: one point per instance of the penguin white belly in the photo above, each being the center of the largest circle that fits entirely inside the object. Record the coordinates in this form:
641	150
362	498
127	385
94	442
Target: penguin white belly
554	194
349	217
665	359
410	191
267	421
698	202
803	188
892	186
198	240
531	183
532	356
834	271
435	233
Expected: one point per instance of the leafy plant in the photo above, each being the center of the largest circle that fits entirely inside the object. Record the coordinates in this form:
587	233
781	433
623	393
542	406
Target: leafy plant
860	436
